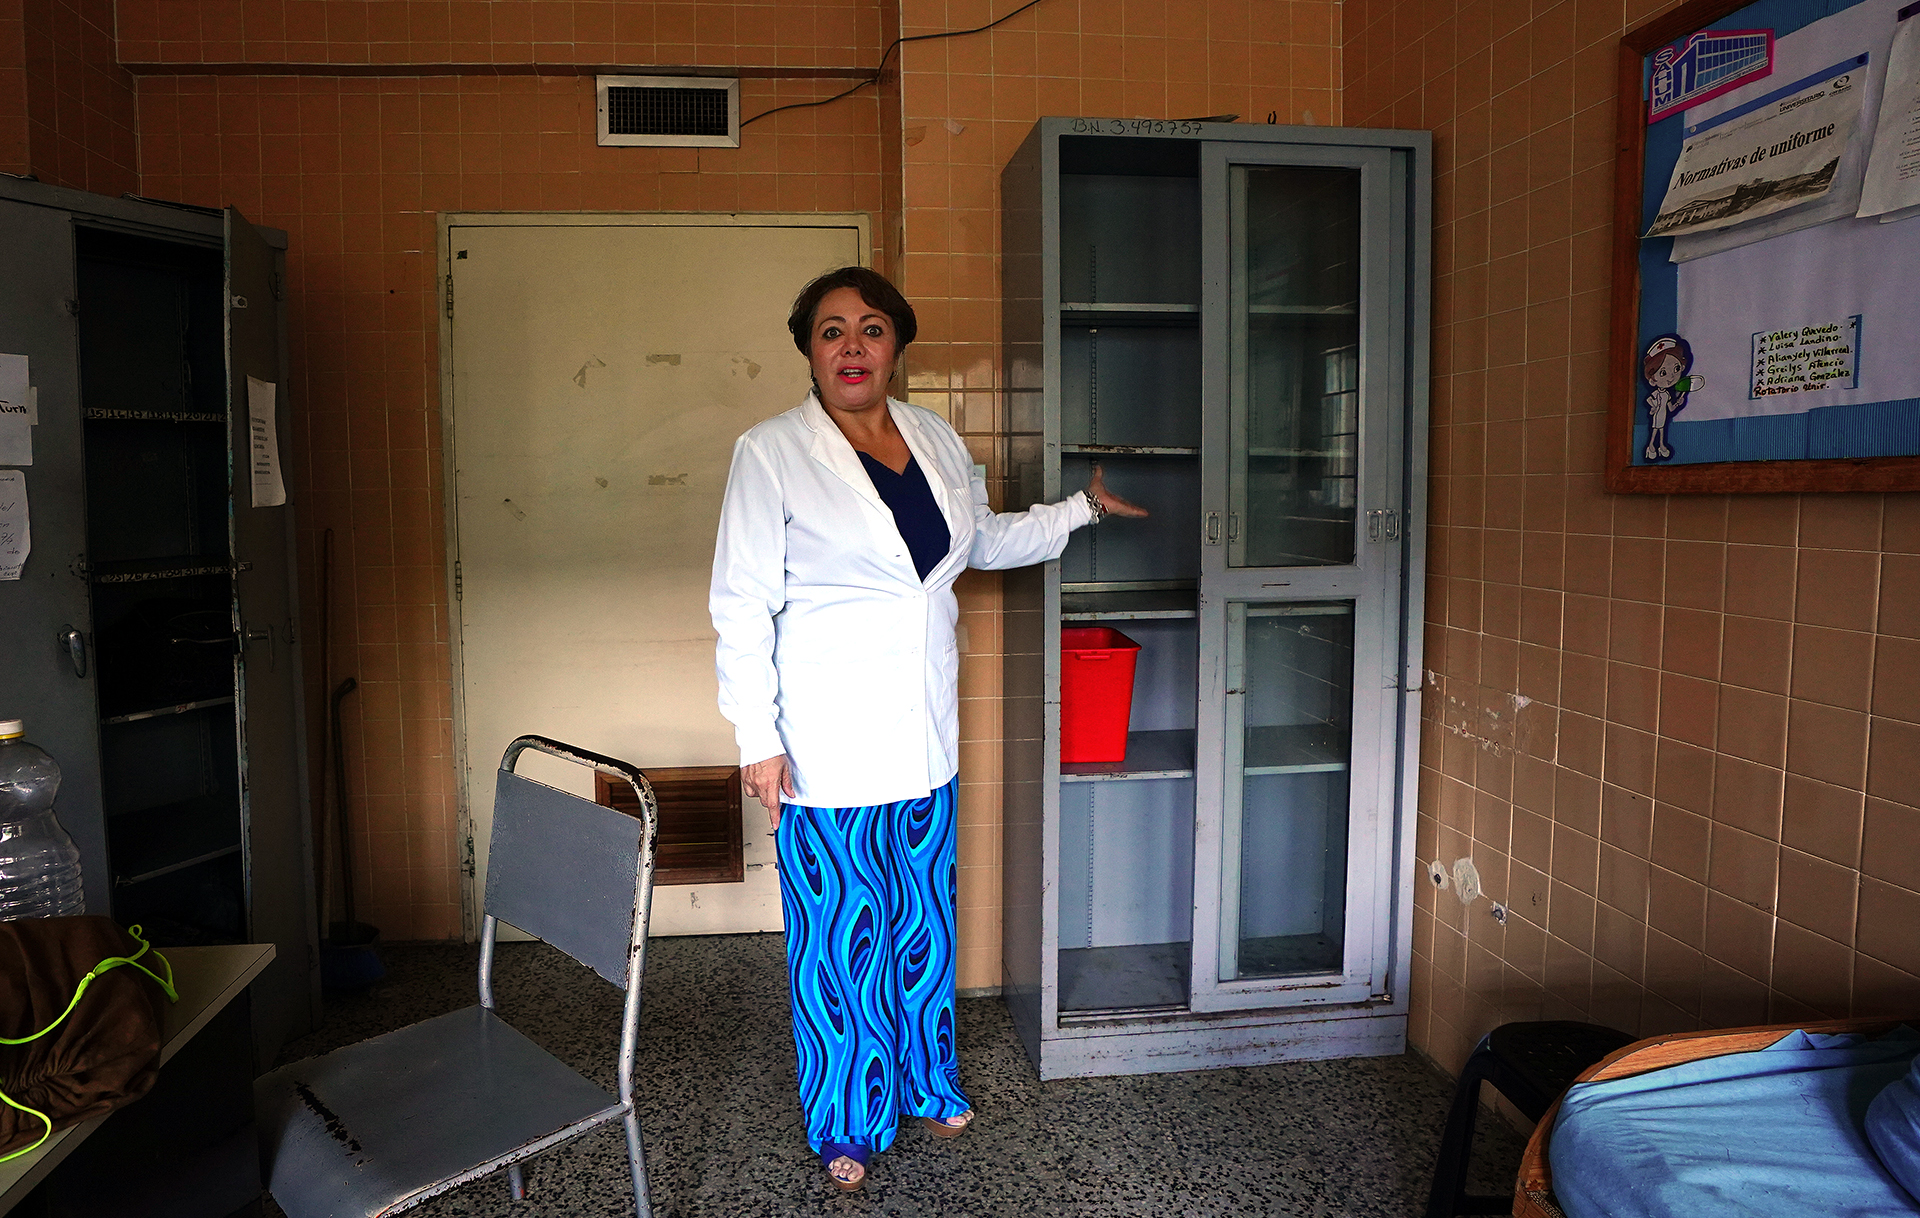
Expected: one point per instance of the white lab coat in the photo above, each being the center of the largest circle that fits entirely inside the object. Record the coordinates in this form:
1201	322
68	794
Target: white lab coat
831	649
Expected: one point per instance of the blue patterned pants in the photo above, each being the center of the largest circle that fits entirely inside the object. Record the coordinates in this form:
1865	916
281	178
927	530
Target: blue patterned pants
868	895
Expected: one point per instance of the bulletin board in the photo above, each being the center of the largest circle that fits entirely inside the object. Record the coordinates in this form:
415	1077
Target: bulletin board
1766	303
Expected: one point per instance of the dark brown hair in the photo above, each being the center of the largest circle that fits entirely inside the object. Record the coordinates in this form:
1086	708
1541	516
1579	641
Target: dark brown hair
873	288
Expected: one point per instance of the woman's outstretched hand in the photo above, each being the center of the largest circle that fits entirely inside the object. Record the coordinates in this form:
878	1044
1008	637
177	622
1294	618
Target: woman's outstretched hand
767	781
1114	504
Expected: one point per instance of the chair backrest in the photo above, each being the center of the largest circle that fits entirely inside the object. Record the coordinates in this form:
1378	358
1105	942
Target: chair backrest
569	871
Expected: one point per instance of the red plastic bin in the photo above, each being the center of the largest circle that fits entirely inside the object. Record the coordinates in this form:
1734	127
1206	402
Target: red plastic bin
1096	693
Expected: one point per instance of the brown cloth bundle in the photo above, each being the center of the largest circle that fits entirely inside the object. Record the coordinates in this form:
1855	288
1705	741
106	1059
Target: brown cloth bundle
104	1055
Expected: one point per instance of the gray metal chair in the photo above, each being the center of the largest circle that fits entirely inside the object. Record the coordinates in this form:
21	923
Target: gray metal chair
378	1127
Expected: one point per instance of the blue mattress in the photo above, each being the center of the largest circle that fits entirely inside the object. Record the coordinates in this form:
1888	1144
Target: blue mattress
1893	1127
1773	1134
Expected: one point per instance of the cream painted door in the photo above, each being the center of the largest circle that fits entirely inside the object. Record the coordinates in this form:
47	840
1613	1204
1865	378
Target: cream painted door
599	370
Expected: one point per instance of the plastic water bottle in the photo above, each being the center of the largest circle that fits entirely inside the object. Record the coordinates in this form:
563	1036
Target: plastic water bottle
39	864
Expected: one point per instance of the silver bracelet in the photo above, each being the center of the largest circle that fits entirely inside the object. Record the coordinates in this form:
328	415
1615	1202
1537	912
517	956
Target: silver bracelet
1094	505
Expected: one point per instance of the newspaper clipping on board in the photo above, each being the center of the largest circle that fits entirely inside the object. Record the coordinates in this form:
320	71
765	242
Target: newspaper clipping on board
1777	157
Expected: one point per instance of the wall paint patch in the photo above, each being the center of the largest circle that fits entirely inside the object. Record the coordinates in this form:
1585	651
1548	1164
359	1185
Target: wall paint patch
1466	881
1492	720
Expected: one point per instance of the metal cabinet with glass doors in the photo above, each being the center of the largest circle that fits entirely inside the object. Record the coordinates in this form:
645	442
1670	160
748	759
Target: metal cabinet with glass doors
1232	320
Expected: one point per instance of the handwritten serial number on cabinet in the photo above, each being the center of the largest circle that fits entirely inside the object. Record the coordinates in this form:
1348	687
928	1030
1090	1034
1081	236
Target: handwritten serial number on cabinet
1134	126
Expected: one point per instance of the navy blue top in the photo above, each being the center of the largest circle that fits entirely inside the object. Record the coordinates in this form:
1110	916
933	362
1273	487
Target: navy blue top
915	513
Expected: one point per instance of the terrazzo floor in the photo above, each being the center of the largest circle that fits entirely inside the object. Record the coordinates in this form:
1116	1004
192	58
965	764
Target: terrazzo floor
724	1134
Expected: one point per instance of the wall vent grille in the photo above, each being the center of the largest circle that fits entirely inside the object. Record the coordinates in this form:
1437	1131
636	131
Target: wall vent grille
669	111
632	111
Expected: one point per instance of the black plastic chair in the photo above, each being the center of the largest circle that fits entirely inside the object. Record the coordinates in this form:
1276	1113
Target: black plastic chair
1529	1063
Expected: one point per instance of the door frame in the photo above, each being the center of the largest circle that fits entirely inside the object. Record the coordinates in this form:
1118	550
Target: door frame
444	223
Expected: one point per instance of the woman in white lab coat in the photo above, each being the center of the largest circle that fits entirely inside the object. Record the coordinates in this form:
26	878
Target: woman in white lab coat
846	521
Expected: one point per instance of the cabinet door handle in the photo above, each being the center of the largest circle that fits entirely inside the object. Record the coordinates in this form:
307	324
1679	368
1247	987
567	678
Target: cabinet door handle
75	645
1213	528
253	635
1233	526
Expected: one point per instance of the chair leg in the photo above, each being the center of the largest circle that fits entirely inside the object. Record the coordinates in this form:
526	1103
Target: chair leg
1456	1142
637	1159
516	1183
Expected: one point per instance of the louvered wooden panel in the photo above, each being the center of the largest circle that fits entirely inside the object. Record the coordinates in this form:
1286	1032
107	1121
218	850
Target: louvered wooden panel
699	821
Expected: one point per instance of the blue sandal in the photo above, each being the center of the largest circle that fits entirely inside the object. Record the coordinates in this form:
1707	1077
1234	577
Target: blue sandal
831	1151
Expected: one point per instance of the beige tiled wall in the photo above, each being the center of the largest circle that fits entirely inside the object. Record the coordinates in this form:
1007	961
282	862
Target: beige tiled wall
66	106
1678	736
783	33
967	104
16	144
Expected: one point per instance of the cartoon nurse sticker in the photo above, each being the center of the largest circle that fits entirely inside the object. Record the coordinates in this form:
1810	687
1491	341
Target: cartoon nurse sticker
1665	366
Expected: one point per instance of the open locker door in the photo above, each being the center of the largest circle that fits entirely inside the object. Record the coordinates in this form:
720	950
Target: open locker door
274	814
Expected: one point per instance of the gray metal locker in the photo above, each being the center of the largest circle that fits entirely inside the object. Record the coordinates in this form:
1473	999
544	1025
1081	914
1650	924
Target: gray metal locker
153	647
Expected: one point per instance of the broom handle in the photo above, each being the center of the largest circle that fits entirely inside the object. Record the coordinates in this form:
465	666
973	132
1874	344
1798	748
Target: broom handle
326	680
340	799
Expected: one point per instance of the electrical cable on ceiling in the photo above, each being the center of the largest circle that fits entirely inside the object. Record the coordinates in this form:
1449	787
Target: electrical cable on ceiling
886	55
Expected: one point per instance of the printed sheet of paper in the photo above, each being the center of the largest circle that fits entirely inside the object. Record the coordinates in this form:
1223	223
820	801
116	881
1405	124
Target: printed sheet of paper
1893	167
1809	53
1777	157
269	488
16	412
16	539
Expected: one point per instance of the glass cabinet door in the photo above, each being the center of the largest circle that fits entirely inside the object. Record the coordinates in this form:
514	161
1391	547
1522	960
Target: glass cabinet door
1294	321
1289	743
1300	606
